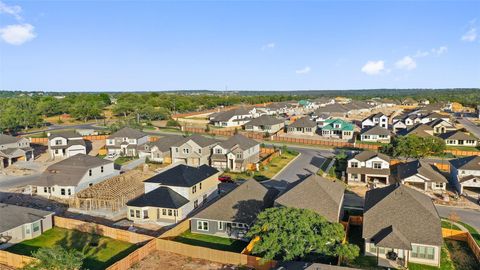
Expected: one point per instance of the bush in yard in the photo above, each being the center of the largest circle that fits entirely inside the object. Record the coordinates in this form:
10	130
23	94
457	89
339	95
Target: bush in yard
56	258
288	234
172	123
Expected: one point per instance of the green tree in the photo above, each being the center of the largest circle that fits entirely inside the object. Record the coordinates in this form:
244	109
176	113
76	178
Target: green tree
292	234
56	258
413	146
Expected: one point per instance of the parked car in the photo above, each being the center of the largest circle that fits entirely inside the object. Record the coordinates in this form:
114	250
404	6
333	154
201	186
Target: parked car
225	179
111	155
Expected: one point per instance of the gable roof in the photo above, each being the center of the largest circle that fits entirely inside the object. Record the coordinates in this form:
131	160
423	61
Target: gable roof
7	139
392	237
316	193
65	134
265	120
200	140
405	213
344	125
127	132
375	130
367	155
227	115
303	122
332	108
466	163
456	135
165	143
242	204
240	140
14	216
420	130
163	197
183	176
423	168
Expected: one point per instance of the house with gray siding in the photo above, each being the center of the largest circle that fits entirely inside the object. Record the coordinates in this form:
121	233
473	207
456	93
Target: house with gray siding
235	154
193	151
13	149
234	213
21	223
127	141
160	150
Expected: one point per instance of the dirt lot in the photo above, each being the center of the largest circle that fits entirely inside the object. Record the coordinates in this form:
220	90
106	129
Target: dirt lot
3	267
172	261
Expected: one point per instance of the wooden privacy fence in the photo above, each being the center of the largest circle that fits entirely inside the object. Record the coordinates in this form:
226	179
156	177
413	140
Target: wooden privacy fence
134	257
464	237
88	138
462	153
213	255
118	234
177	230
14	260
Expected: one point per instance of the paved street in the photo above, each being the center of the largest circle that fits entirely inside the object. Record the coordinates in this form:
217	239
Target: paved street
469	216
470	126
9	182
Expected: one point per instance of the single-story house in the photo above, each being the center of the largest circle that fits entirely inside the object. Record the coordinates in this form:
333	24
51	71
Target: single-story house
265	123
337	129
231	118
458	138
302	126
375	134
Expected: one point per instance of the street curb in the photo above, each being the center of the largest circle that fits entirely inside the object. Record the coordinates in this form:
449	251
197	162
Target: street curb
286	166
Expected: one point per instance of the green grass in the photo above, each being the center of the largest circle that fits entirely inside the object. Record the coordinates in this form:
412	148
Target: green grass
472	231
123	160
101	156
448	225
103	253
462	148
210	241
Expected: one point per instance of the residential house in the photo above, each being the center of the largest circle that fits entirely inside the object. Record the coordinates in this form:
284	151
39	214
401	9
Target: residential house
440	126
65	178
358	107
458	138
465	173
193	151
160	150
334	110
337	129
434	116
320	118
231	118
173	194
266	124
369	167
375	134
234	213
420	130
405	122
127	141
302	126
13	149
420	174
66	144
401	225
323	196
379	119
409	102
21	223
235	154
322	102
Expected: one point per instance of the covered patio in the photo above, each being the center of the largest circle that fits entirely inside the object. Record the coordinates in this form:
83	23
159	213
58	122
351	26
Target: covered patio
392	248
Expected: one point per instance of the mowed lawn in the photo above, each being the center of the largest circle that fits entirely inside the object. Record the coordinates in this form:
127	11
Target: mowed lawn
210	241
100	252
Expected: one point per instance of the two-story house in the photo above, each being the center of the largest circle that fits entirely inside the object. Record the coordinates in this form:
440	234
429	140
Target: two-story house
193	151
369	167
337	129
231	118
126	141
66	144
266	124
465	173
235	154
160	150
420	174
13	149
379	119
71	175
302	126
172	194
375	134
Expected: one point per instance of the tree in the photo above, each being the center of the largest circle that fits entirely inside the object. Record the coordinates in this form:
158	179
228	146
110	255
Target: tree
413	146
288	234
56	258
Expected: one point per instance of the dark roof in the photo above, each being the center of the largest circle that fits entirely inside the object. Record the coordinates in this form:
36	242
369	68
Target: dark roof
316	193
265	120
128	132
69	171
14	216
332	108
420	130
69	143
456	135
65	134
227	115
242	204
466	163
7	139
366	155
304	122
202	141
165	143
403	211
376	130
309	266
183	176
240	140
393	238
163	197
423	168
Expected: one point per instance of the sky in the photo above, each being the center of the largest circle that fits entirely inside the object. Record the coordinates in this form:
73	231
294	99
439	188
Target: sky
238	45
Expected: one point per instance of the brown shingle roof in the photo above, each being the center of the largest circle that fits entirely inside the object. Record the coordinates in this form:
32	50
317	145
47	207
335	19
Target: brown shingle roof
466	163
405	170
304	122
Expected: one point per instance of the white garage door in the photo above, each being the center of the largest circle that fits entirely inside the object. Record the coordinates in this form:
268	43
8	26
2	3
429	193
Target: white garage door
72	152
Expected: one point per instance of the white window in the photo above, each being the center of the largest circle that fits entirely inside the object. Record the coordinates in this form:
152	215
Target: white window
220	225
58	142
202	225
377	165
186	150
354	164
239	155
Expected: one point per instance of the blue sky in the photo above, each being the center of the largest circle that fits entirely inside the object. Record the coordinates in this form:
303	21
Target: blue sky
287	45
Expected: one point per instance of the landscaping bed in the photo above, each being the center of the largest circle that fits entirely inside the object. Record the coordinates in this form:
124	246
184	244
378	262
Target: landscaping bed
210	241
100	252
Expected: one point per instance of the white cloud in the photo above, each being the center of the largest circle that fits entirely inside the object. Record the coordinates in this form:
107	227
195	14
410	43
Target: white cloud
11	10
304	70
374	67
406	63
17	34
270	45
471	35
420	53
434	51
439	50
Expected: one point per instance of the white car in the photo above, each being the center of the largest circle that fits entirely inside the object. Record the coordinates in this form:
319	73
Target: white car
111	155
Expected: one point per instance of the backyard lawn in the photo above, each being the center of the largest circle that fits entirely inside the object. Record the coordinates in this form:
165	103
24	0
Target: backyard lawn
100	252
448	225
463	148
210	241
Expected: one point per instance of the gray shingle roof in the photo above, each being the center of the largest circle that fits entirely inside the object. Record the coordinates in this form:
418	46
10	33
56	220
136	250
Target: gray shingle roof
240	140
65	134
366	155
423	168
14	216
165	143
242	204
316	193
265	120
376	130
202	141
163	197
227	115
127	132
304	122
183	175
466	163
405	210
7	139
456	135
